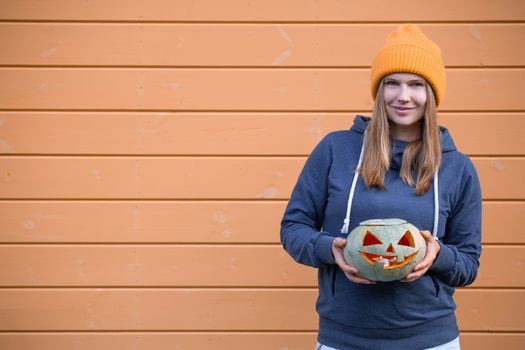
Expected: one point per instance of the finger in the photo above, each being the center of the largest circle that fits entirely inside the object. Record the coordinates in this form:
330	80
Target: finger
431	252
427	261
357	279
426	235
351	273
414	276
407	280
339	242
344	266
349	269
430	256
411	277
424	264
425	232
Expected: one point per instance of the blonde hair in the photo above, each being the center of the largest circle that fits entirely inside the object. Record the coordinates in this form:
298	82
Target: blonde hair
422	156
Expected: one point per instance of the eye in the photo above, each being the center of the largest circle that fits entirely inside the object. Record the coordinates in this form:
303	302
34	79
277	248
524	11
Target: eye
418	84
407	240
391	82
370	239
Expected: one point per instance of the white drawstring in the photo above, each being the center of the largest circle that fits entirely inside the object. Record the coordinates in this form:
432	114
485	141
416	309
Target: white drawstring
346	225
436	206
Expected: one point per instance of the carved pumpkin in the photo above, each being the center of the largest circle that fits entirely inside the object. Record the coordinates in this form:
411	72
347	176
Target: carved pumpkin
384	249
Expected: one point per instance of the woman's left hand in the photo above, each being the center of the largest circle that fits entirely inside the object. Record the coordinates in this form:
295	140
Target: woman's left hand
432	251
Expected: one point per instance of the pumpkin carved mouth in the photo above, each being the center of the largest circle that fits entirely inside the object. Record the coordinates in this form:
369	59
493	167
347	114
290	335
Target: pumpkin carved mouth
389	261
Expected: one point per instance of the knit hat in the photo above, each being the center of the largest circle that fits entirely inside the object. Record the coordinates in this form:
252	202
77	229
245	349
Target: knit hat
408	50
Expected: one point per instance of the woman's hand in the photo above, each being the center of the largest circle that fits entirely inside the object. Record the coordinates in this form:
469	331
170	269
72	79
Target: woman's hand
432	251
349	271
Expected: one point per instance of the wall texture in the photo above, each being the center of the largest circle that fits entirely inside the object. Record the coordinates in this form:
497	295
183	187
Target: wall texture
148	148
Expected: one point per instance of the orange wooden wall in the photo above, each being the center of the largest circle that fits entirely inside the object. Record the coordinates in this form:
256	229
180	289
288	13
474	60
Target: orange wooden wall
148	149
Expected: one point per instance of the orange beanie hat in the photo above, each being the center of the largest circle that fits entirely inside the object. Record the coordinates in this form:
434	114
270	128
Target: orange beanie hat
408	50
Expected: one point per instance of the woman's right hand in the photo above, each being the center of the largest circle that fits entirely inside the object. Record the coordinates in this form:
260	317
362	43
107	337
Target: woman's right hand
349	271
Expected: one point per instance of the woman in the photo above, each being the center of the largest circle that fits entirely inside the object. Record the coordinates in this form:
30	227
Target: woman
398	164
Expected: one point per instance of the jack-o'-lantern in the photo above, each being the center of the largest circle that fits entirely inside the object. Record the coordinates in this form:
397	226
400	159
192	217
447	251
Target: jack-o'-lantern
384	249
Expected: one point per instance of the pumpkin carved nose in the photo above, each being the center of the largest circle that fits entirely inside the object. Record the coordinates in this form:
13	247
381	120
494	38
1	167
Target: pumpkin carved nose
390	249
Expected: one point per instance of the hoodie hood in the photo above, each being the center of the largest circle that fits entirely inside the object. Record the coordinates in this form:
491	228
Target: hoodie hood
398	147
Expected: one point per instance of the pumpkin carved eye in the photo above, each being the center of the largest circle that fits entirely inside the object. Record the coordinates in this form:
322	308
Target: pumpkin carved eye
407	240
370	239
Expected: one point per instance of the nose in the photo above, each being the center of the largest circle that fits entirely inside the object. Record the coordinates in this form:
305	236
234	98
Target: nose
404	94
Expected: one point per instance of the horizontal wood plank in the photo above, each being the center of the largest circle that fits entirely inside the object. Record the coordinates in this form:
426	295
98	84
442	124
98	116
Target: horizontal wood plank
222	266
211	310
49	133
499	219
488	341
243	266
260	10
238	89
501	266
492	170
246	44
159	341
491	137
175	222
213	340
194	178
209	177
169	222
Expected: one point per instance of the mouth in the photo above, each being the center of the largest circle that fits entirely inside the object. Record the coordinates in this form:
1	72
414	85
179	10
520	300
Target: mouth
403	108
388	261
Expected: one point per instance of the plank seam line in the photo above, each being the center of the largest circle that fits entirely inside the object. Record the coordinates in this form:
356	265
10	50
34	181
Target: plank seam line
264	113
258	111
217	332
244	67
191	156
244	200
140	288
314	22
206	244
142	199
199	200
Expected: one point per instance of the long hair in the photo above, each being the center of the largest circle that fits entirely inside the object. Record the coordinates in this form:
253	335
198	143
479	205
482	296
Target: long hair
422	156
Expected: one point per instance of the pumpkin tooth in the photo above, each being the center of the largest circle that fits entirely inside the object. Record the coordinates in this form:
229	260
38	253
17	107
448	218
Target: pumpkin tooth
388	261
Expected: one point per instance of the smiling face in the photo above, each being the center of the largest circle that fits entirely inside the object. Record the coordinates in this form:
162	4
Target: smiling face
384	249
389	257
405	97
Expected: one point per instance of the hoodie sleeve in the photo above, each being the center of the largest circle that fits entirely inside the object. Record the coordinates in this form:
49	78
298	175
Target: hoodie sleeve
303	217
458	259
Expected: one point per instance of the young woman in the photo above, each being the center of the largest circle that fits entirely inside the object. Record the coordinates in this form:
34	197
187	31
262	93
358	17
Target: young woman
397	164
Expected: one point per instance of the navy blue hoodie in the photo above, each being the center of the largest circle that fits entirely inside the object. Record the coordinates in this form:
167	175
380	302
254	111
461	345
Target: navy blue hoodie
391	315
